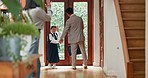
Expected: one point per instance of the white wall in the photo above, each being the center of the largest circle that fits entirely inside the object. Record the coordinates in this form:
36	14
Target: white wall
41	47
146	39
96	34
114	61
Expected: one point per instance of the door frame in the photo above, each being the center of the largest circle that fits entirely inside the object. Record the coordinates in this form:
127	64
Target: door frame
90	32
101	24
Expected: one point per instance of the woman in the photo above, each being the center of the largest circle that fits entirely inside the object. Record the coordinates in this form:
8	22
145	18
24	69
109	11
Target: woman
37	16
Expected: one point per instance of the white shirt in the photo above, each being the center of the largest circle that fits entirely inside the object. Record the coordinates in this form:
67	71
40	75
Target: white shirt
72	15
38	16
52	38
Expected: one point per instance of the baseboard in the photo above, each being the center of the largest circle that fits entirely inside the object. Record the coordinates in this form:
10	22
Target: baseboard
109	74
42	64
96	64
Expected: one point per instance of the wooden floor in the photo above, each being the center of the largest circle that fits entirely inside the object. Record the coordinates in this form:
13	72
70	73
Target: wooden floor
67	72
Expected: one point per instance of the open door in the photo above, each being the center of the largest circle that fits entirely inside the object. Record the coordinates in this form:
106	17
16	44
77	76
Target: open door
82	8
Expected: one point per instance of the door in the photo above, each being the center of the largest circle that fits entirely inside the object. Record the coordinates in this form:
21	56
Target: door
82	8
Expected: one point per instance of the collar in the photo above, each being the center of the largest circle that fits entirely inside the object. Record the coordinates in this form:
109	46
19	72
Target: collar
72	15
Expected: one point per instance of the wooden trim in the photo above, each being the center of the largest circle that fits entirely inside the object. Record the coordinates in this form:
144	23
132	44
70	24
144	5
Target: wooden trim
58	0
101	24
130	70
122	32
83	0
91	32
46	32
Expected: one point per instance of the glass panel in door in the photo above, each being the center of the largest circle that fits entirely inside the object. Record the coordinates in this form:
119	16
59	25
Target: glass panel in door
81	9
58	20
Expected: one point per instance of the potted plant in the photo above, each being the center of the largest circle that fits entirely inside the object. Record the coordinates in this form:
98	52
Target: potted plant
11	39
11	34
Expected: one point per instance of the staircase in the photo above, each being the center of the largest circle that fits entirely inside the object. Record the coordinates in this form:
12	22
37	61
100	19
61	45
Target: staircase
131	19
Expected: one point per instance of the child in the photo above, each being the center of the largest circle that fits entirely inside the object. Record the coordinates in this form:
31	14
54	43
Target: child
53	41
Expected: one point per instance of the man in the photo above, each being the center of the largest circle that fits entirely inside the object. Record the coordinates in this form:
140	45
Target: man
74	27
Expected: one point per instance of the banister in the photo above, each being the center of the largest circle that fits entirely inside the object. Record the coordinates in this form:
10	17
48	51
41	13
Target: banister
130	70
122	32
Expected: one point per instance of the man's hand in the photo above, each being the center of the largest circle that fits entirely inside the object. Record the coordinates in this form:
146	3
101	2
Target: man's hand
61	41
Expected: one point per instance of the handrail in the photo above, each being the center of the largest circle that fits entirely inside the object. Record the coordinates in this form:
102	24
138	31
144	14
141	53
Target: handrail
130	70
122	32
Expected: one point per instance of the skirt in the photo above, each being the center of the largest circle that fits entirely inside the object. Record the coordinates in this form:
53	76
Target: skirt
52	54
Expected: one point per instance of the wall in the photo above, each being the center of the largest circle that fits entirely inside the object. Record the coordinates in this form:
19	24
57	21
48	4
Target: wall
41	47
146	39
114	61
96	34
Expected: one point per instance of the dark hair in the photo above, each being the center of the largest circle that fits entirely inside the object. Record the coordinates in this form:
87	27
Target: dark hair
69	10
30	4
53	27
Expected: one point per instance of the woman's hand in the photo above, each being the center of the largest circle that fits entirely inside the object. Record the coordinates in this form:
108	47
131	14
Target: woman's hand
48	3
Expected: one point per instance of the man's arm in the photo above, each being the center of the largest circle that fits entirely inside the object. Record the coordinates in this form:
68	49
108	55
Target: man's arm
82	23
66	29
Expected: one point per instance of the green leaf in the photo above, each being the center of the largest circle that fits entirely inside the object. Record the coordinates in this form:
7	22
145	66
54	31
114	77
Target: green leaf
18	28
40	2
13	6
1	30
0	18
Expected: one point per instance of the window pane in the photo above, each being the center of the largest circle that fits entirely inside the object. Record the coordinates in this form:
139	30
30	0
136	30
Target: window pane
81	9
58	20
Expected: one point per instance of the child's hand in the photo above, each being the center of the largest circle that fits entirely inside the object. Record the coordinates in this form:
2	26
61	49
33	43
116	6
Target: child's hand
61	41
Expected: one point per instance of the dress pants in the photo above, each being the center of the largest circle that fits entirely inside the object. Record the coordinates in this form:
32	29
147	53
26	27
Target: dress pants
74	47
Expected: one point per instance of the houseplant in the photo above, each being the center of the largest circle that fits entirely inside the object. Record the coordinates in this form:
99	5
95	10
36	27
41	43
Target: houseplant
11	34
11	39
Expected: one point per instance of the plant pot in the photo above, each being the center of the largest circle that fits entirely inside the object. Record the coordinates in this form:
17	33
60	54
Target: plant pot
9	46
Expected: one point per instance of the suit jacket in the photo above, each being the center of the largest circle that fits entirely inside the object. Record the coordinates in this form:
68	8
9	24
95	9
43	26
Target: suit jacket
74	27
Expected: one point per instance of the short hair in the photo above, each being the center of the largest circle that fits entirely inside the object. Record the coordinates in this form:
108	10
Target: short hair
69	10
53	27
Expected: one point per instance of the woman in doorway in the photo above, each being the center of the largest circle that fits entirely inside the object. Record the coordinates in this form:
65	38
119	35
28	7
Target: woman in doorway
53	41
37	16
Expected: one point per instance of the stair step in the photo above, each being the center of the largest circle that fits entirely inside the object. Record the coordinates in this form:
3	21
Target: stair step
134	19
135	28
135	38
139	73
131	3
136	48
137	60
133	11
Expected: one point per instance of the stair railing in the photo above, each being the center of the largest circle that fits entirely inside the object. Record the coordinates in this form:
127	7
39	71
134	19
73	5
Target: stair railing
128	64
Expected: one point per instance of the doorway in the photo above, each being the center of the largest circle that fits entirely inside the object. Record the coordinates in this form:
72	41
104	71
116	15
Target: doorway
82	8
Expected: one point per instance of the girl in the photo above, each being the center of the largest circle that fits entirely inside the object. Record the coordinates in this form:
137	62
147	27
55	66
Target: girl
53	41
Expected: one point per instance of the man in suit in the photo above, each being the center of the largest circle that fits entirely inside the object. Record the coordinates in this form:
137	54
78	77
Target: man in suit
74	27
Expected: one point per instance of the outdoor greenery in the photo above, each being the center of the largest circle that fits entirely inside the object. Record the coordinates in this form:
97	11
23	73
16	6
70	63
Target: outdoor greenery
58	20
80	9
